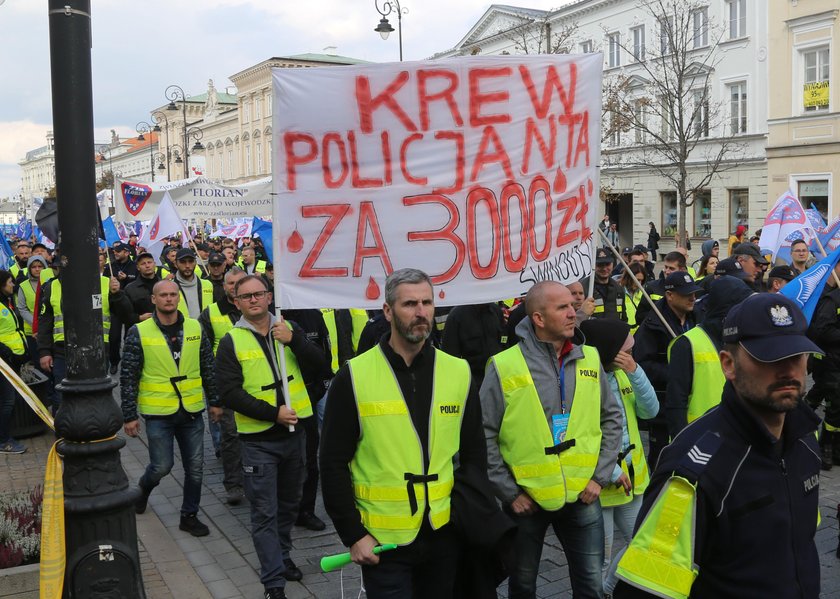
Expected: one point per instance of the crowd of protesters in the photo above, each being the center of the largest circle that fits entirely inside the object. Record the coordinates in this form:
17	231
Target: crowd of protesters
462	434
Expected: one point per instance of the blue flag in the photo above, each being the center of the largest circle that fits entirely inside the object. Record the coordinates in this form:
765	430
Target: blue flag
262	229
5	252
112	236
807	288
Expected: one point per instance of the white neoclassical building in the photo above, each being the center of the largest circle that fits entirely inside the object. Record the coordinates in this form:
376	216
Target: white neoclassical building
732	107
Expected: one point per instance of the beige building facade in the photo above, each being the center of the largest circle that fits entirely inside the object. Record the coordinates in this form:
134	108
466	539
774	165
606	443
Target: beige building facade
803	150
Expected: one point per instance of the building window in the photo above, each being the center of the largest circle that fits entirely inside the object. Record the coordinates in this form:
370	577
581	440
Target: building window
737	108
246	112
737	18
614	57
248	159
268	105
700	117
259	158
703	214
817	66
586	47
640	120
258	108
701	27
221	166
669	128
666	32
638	43
739	208
814	192
615	129
668	200
231	174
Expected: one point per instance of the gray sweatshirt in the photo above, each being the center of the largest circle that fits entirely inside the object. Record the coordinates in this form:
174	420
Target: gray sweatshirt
541	359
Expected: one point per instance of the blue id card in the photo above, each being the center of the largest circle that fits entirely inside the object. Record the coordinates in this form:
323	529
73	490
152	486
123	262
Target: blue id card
559	426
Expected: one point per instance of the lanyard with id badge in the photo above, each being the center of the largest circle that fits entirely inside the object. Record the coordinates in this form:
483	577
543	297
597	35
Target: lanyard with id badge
560	422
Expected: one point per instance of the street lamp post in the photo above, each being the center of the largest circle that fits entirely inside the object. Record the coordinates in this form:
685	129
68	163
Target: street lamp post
175	93
384	28
100	528
157	117
142	128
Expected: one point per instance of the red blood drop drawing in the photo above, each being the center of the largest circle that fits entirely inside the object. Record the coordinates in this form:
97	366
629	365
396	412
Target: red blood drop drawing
372	292
559	182
589	187
295	242
442	294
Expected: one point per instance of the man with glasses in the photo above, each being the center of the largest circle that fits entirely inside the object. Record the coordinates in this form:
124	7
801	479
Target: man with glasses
273	456
800	256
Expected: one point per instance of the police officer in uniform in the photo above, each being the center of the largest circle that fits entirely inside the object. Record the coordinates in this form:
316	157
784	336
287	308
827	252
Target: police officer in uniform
608	294
734	498
553	433
395	418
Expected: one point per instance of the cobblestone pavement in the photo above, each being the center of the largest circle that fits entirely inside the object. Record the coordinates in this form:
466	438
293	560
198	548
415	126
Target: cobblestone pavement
224	565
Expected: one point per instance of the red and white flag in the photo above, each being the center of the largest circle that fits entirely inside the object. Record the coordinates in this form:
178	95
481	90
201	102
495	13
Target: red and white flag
165	223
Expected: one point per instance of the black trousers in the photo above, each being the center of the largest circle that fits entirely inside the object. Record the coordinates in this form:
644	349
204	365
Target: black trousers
115	335
310	485
425	569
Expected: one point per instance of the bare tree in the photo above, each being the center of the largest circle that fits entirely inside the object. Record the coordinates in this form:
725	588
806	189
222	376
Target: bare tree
663	100
536	34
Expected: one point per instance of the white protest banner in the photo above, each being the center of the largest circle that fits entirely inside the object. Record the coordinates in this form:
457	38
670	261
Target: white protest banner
480	171
198	197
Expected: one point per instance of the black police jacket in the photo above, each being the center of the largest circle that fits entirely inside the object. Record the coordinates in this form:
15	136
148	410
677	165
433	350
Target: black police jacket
757	500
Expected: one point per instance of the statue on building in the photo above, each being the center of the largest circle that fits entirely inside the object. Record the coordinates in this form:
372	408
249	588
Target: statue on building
115	139
212	97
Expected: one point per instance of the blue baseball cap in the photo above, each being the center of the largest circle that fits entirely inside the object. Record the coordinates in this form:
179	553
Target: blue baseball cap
680	282
770	327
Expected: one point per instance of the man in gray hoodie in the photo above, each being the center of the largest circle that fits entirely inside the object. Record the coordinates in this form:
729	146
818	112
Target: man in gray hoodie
553	434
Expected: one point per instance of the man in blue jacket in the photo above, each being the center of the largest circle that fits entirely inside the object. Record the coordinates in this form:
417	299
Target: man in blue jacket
734	498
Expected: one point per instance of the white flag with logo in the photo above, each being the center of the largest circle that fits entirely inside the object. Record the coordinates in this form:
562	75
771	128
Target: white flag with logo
165	223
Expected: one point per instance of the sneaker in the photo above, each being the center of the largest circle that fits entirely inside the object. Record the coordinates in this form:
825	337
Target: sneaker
235	496
292	572
275	593
191	524
142	501
310	521
12	446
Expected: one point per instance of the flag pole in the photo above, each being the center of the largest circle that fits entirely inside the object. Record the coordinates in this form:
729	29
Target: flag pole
641	287
275	243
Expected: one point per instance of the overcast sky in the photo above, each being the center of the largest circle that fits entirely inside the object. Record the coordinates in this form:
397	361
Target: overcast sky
141	47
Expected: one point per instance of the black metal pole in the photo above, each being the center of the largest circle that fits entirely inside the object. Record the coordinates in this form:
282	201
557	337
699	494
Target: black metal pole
186	141
100	532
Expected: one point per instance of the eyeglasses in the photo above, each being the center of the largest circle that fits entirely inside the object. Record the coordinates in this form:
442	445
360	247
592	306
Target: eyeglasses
246	297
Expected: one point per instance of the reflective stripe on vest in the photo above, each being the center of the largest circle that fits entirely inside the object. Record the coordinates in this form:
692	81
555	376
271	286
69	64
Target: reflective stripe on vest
58	314
660	557
220	323
29	296
164	385
631	302
205	297
525	434
260	381
10	335
640	476
389	480
708	381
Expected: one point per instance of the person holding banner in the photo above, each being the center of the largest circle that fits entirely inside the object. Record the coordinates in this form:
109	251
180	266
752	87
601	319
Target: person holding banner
553	433
396	416
13	352
166	363
273	456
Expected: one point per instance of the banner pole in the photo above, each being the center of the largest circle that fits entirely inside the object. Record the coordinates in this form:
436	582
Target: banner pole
641	287
276	245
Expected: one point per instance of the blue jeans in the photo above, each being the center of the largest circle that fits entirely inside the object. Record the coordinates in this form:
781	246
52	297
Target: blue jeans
274	473
622	517
188	430
580	529
7	409
59	371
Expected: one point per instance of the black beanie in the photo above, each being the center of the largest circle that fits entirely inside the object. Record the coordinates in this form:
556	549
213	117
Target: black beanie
606	335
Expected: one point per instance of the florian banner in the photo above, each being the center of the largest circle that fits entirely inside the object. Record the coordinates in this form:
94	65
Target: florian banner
199	198
482	171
